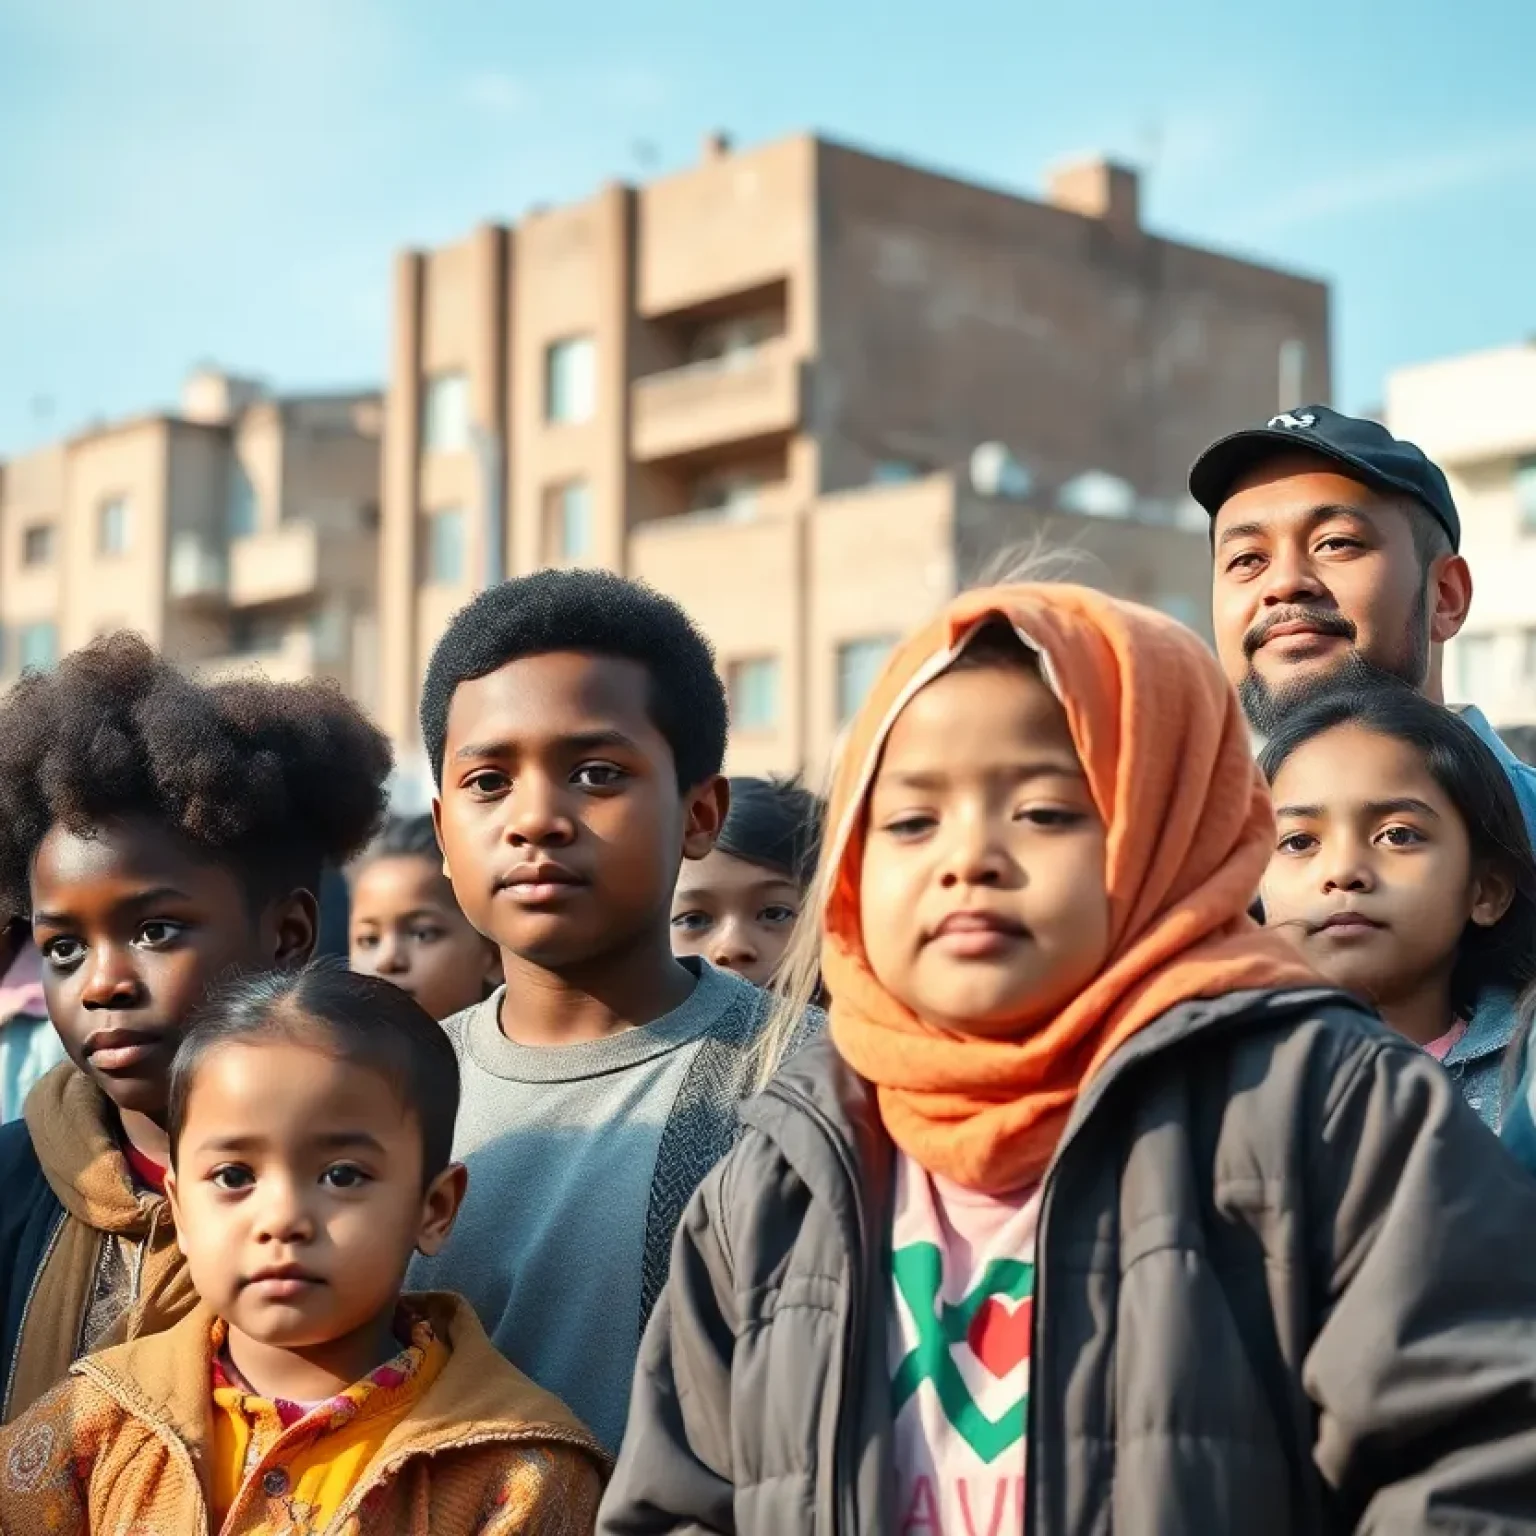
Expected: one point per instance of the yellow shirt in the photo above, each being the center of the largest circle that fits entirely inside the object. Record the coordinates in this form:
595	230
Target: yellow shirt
291	1466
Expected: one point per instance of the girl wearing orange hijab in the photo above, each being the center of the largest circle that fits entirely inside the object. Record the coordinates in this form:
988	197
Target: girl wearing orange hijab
1097	1211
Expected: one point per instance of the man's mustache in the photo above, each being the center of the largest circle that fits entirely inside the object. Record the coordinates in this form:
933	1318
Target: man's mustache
1324	622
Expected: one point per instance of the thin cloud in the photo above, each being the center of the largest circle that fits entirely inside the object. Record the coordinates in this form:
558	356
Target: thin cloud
1404	182
634	86
499	95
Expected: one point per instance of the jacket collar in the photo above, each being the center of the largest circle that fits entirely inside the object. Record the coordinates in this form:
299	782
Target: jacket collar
1489	1031
817	1080
165	1380
73	1131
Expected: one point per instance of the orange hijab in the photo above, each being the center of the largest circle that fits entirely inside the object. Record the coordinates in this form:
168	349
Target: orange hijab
1189	833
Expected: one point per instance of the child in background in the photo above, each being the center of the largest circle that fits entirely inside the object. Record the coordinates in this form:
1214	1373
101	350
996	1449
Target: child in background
29	1044
305	1394
158	833
576	725
737	905
1403	869
407	927
1089	1164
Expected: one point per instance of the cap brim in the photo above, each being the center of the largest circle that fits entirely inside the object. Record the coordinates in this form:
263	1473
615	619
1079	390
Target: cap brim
1229	459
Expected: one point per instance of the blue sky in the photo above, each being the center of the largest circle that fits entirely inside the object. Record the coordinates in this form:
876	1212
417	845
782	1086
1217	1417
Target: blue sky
187	181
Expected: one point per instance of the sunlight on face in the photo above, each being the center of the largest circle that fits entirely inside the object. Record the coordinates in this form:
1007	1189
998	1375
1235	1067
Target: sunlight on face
983	898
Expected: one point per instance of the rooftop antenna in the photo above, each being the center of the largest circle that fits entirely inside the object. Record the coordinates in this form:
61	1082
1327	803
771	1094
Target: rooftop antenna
1152	137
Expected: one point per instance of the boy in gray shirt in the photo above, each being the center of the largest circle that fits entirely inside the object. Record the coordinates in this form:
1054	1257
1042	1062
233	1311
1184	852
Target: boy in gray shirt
577	725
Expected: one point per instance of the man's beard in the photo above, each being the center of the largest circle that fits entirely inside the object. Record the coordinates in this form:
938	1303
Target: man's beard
1266	707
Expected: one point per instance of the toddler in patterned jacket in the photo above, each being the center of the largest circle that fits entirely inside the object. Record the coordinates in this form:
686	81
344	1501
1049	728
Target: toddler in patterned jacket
311	1119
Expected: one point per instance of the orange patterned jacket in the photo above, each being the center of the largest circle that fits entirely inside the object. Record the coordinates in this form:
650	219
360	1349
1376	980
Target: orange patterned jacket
124	1446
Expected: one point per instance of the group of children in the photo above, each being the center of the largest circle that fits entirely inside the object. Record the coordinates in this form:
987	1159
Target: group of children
1087	1204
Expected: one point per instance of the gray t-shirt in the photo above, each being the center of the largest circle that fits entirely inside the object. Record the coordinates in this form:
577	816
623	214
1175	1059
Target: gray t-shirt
570	1209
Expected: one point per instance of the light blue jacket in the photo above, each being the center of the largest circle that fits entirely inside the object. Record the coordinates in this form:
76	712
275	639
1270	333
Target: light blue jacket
29	1047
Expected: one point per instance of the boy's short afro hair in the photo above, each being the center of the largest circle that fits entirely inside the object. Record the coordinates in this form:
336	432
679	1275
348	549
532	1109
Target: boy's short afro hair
274	779
598	614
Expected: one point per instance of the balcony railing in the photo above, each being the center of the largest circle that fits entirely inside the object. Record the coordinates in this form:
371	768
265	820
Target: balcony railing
737	398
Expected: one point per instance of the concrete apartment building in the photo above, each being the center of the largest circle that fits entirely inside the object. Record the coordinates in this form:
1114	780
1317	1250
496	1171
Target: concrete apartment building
808	392
239	532
1475	415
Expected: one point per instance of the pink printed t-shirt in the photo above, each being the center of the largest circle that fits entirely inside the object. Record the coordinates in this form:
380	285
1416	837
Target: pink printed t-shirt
962	1289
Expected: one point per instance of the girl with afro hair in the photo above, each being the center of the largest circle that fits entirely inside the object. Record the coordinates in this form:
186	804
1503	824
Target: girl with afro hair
157	834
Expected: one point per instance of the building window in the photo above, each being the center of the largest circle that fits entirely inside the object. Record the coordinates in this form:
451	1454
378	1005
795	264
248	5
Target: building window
894	472
240	514
1476	661
733	341
571	515
112	526
754	692
1528	656
570	380
37	646
1525	493
858	665
257	634
445	413
330	630
443	548
37	544
732	496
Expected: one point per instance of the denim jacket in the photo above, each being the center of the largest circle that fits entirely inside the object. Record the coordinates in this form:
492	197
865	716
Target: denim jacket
1476	1061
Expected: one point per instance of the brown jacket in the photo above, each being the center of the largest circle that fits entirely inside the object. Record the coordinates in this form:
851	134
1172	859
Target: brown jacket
123	1446
1285	1284
110	1268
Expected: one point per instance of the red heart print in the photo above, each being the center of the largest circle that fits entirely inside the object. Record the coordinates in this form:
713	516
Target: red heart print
1000	1338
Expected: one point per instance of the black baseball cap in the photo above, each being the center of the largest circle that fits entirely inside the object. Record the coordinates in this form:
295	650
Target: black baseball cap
1364	449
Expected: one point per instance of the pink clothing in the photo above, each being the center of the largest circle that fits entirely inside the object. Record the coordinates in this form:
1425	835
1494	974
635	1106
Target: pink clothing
963	1281
1442	1047
21	992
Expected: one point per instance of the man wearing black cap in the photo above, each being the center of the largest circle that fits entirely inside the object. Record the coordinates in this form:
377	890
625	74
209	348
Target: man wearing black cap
1335	550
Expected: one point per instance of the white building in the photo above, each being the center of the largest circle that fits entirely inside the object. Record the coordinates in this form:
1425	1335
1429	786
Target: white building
1475	416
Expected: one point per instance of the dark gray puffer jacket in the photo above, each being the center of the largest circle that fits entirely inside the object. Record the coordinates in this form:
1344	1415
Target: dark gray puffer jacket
1285	1283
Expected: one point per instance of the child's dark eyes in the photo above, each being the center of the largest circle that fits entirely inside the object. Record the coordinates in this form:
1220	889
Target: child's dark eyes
1297	842
1401	837
1050	817
62	953
599	776
777	915
344	1176
160	932
910	826
234	1177
691	922
487	782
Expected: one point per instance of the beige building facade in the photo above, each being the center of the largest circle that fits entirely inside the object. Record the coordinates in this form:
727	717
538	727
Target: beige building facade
1475	416
239	533
806	391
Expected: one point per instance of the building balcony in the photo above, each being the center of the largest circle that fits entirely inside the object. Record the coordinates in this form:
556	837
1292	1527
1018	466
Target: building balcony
745	397
275	566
